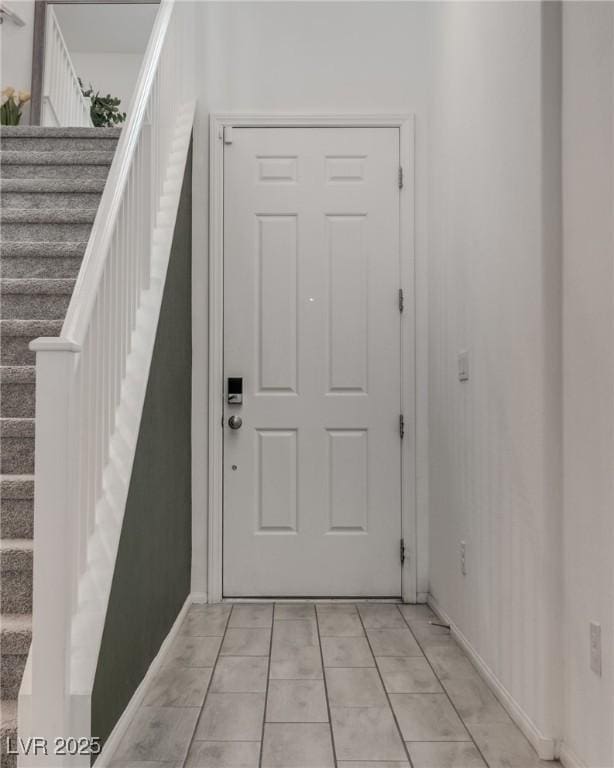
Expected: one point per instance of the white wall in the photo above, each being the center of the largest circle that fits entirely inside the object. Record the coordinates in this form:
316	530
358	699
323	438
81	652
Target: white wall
588	165
106	43
106	27
113	73
16	50
494	273
307	58
485	83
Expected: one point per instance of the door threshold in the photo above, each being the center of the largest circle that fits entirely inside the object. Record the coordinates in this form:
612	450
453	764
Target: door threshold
321	600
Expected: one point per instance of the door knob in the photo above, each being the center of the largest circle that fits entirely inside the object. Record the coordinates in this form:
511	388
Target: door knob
235	422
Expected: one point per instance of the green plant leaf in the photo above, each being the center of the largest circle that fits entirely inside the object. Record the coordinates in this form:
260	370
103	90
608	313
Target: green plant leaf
104	110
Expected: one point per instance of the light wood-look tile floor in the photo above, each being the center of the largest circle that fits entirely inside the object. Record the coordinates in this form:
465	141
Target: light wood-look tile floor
302	685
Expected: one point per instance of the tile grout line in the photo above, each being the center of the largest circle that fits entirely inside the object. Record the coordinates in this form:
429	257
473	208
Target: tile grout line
447	695
213	668
266	693
330	719
394	715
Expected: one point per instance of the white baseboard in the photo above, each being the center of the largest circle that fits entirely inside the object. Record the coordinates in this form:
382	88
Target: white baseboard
199	597
545	746
568	757
121	726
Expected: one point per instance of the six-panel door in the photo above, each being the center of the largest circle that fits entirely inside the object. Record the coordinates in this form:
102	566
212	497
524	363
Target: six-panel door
312	478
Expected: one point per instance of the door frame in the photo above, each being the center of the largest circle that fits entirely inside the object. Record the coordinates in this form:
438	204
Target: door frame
219	125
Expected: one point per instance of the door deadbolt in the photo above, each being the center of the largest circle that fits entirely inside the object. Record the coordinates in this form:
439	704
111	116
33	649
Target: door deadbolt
235	390
235	422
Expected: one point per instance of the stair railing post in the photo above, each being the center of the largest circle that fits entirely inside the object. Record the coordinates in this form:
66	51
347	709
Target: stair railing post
54	522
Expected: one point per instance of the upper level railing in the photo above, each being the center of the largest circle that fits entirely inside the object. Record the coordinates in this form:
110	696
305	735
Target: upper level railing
63	103
91	380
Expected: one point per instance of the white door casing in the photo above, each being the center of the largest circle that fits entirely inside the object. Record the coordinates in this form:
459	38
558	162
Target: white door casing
312	270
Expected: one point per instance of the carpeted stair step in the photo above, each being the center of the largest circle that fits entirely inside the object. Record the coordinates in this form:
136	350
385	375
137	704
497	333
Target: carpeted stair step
16	336
16	446
18	398
17	506
8	732
16	571
52	180
46	186
54	139
50	225
64	164
15	639
42	259
45	201
35	299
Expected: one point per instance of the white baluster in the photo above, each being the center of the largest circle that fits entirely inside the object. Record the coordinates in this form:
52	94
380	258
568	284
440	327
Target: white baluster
75	490
116	323
146	201
131	255
106	331
125	283
94	423
138	217
83	436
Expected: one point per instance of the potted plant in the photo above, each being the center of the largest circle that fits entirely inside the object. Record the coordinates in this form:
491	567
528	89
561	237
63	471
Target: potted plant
11	102
104	110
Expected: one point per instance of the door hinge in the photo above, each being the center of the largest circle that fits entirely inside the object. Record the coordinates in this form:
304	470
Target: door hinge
402	551
227	134
402	426
400	177
401	300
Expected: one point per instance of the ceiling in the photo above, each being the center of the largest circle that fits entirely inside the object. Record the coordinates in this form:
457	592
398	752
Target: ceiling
106	27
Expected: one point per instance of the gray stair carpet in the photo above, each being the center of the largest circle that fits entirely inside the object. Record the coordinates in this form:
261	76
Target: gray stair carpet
50	187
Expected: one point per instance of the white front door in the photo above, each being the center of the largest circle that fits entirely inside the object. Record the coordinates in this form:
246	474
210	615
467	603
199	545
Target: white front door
312	478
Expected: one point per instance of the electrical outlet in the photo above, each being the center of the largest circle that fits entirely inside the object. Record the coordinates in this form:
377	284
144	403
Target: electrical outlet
596	647
463	558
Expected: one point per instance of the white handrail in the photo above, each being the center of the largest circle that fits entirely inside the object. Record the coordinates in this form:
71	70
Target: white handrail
91	382
63	100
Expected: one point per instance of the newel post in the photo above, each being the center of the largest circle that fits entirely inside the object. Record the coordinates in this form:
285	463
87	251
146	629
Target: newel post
54	522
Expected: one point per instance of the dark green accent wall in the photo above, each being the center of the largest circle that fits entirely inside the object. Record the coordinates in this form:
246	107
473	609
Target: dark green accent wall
152	574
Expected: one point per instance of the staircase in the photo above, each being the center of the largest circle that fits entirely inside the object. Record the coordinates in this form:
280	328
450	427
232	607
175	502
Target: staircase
52	180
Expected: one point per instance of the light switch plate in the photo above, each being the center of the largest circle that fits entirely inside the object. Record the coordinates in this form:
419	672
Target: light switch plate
596	647
463	558
463	365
